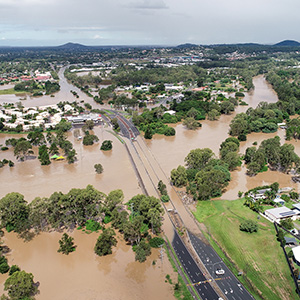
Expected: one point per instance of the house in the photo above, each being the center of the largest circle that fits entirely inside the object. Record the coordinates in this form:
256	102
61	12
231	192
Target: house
279	213
290	241
278	200
171	112
259	194
296	252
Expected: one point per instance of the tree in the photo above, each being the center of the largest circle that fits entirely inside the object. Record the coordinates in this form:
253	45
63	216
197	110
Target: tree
112	201
148	133
249	226
4	267
14	212
90	124
20	285
226	107
66	244
198	158
44	155
13	269
287	223
191	123
106	145
142	251
53	149
71	156
232	159
98	168
22	149
213	115
105	242
36	138
89	139
63	125
179	176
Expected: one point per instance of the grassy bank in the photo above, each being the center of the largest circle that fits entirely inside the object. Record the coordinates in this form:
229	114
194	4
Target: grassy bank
258	255
11	92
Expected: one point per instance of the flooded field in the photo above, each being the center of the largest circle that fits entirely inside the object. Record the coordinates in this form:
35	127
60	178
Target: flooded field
83	275
31	179
171	151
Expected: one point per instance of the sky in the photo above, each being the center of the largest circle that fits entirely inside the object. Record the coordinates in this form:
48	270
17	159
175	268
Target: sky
147	22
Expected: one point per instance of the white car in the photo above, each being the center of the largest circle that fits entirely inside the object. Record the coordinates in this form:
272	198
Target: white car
220	272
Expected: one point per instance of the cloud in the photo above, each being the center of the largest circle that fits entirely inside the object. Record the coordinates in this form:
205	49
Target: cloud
79	28
97	37
144	4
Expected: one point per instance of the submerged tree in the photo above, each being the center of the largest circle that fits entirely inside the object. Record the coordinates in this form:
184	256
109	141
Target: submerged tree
105	242
66	244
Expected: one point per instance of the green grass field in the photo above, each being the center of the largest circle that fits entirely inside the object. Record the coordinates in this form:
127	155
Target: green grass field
258	255
10	92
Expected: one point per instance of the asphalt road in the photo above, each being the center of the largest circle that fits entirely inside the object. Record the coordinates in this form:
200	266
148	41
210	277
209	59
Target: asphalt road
127	128
228	283
205	290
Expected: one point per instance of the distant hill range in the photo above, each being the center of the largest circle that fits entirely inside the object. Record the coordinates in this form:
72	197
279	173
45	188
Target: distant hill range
72	46
289	43
187	45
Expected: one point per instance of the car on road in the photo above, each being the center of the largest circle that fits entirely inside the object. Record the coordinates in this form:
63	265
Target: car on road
220	272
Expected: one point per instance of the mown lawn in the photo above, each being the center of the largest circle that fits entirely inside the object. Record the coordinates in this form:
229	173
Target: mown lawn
258	255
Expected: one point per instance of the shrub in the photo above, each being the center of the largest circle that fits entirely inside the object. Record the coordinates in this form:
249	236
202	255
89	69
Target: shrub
4	148
13	269
156	242
98	168
92	225
249	226
106	145
165	198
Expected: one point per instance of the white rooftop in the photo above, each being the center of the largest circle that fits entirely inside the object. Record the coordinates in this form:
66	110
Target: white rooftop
281	212
296	252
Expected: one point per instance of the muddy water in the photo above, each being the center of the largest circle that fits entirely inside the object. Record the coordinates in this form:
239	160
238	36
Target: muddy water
32	180
83	275
171	151
63	95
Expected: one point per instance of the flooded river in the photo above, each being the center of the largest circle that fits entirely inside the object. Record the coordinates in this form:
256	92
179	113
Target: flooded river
171	151
82	275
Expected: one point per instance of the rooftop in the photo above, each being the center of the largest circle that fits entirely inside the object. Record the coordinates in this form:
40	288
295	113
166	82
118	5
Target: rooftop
281	212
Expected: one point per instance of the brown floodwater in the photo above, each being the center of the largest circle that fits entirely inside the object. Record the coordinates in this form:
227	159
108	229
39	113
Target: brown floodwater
31	179
171	151
83	275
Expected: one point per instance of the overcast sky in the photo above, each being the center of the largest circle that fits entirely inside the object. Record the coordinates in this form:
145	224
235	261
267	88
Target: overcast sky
147	22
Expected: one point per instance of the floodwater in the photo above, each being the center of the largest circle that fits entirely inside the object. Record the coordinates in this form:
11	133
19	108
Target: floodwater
83	275
63	95
171	151
31	179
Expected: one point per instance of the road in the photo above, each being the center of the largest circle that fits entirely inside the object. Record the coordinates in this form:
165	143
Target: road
150	172
228	283
191	268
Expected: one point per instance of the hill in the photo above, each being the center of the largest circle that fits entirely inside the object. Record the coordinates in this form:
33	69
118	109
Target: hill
289	43
72	46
